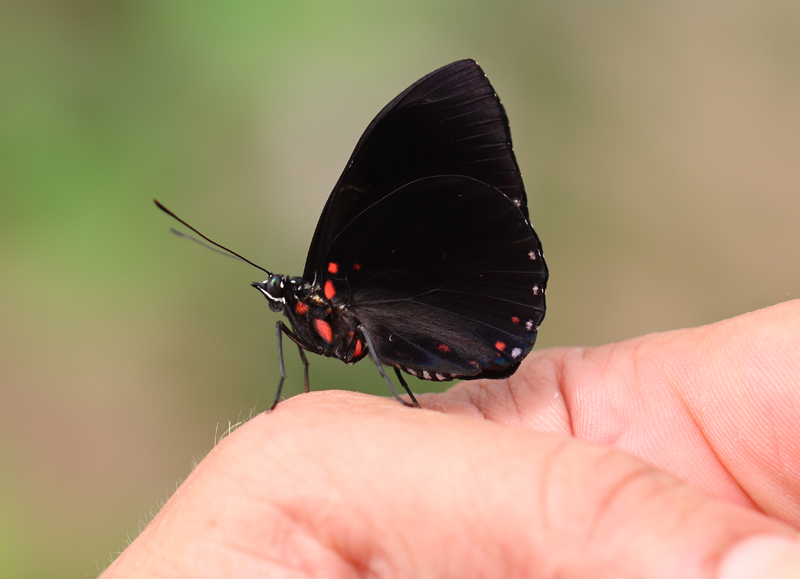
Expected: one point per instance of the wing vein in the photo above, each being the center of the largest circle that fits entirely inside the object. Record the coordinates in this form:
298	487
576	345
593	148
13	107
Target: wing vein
467	113
479	322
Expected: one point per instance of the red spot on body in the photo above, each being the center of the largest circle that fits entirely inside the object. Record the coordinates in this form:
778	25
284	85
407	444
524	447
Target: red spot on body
514	320
301	308
324	330
330	291
333	267
359	349
444	348
500	345
356	266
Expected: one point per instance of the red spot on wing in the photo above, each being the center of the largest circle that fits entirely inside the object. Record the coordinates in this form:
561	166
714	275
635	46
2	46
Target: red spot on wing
301	308
324	330
356	266
514	320
444	348
359	349
330	291
500	345
333	267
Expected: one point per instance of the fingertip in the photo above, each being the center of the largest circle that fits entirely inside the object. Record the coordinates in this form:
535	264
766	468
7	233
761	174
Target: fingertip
762	557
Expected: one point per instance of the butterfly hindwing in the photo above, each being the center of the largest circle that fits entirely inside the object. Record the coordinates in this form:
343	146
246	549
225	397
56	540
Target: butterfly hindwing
447	276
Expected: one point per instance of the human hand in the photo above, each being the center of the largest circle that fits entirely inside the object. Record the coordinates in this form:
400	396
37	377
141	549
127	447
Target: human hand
672	455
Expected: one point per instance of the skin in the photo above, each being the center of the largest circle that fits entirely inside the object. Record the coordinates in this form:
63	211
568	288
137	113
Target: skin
656	457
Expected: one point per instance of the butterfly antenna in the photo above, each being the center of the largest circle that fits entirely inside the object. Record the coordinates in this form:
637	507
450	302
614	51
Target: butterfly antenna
211	241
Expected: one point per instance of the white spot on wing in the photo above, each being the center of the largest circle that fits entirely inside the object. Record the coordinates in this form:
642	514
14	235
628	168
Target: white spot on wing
516	352
536	290
411	371
440	376
532	255
426	375
529	325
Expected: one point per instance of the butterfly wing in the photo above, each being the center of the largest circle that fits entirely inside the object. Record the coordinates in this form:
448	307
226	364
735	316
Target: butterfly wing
450	122
447	276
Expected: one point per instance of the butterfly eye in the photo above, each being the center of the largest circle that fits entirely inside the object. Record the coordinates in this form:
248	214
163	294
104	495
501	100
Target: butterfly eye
275	286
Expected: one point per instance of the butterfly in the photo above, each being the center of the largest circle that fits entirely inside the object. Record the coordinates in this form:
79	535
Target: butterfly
424	257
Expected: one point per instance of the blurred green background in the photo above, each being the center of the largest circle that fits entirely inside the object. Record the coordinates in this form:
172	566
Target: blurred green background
660	145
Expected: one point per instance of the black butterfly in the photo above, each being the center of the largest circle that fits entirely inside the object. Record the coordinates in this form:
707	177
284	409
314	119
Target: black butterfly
424	256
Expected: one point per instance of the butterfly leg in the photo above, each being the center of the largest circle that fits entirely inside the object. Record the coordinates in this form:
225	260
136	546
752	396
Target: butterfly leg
374	356
305	366
282	329
405	385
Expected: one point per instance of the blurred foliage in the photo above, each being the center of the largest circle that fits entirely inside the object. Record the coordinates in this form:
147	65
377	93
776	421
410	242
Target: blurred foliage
659	143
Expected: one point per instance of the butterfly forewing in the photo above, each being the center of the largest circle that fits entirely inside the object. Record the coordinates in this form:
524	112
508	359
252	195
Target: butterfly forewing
446	274
450	122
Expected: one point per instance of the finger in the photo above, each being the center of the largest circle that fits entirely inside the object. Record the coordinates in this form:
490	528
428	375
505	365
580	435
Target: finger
338	484
717	406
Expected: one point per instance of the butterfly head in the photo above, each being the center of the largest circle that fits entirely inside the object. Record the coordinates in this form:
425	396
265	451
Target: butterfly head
273	289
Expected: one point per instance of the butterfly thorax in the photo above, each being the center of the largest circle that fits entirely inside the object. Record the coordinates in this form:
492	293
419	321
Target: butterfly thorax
321	326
